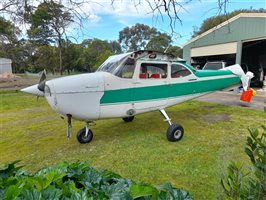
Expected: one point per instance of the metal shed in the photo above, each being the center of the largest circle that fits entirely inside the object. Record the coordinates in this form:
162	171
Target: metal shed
239	40
5	65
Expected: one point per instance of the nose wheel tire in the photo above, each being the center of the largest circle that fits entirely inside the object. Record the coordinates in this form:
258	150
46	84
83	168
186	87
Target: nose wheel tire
175	133
128	119
81	136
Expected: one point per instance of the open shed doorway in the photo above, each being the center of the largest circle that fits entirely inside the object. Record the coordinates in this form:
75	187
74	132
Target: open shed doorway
200	61
254	59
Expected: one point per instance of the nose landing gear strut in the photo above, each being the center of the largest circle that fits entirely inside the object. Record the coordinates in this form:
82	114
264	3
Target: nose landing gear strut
84	135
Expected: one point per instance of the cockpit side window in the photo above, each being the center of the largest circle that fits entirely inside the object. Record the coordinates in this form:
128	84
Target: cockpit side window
153	71
127	69
178	71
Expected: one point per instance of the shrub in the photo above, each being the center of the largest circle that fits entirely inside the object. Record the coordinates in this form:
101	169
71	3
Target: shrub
78	181
251	184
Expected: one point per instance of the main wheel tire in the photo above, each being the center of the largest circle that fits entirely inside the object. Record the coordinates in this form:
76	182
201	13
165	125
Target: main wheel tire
175	133
128	119
82	138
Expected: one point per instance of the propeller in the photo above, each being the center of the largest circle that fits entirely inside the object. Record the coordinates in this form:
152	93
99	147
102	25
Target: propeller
42	81
37	89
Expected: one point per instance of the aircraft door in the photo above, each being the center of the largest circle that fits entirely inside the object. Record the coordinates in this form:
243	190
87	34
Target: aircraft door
151	86
182	81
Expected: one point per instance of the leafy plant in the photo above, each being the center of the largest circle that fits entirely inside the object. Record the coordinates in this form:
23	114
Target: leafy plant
78	181
252	184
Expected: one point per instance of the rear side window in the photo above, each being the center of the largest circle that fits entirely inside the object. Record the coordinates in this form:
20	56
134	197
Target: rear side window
213	66
178	71
153	71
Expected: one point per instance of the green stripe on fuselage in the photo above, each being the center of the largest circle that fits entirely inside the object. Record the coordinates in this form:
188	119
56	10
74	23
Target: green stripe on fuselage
208	73
165	91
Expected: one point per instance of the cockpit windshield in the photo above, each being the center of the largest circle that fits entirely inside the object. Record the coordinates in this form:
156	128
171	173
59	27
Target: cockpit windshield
113	62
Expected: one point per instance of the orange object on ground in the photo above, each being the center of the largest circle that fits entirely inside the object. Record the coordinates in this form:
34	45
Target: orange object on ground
246	95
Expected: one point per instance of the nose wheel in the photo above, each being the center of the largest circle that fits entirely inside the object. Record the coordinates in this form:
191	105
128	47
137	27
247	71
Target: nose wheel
84	135
175	132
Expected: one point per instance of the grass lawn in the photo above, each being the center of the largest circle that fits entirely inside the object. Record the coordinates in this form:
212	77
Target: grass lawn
214	135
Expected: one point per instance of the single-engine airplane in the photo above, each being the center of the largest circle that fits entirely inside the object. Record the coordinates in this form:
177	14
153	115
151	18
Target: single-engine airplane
132	83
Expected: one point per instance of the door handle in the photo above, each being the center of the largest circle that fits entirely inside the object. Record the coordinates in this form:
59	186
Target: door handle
193	79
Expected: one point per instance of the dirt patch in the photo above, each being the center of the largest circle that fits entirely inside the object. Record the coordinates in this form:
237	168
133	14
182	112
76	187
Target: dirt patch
215	118
208	107
8	77
15	82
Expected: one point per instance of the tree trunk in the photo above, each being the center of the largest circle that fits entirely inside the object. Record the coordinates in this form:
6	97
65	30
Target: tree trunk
60	57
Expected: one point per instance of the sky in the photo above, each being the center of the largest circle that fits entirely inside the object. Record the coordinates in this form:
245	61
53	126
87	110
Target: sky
106	20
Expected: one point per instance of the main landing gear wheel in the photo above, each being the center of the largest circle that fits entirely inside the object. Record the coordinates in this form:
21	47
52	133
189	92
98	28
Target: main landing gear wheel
82	137
174	133
128	119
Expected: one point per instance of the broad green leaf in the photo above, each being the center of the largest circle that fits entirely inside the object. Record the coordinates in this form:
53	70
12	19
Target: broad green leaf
79	196
250	154
52	193
118	190
9	170
12	192
31	195
137	191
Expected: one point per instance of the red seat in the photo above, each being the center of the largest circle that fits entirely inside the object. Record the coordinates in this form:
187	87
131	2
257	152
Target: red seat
155	76
143	75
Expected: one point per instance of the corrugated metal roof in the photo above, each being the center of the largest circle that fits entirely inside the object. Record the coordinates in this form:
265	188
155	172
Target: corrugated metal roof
260	15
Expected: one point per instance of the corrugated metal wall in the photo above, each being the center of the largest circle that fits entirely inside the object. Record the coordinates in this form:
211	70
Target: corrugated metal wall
5	65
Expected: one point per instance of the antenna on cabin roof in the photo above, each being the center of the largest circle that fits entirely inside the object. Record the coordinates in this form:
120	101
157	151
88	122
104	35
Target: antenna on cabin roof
166	48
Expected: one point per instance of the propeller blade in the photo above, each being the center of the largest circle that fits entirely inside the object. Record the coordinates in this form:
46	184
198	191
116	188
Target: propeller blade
41	84
43	76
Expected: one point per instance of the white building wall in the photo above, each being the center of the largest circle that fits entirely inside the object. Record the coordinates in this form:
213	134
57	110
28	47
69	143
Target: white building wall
5	65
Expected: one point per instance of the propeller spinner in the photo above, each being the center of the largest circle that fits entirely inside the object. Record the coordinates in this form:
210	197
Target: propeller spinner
37	89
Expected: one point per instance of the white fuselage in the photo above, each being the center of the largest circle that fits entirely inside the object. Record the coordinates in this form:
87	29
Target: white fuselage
82	96
132	83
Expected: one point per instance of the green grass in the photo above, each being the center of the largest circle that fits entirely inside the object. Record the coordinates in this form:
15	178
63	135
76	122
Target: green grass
214	135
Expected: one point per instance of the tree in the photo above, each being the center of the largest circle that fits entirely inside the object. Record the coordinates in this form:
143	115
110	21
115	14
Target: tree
175	50
10	46
72	56
8	36
95	52
136	37
47	59
216	20
116	47
159	42
48	24
8	31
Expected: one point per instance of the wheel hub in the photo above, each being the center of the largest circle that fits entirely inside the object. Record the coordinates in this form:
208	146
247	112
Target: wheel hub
177	134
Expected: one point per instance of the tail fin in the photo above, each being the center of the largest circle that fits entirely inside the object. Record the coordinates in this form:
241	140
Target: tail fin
245	78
